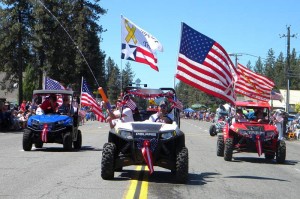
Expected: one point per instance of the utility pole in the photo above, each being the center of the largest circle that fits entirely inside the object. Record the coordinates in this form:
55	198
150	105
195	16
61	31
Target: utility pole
287	68
236	57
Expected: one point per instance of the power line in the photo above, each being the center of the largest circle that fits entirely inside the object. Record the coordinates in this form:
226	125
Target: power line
70	38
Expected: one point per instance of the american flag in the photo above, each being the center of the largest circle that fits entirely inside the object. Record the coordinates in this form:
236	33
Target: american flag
205	65
87	99
276	96
138	45
253	85
51	84
129	102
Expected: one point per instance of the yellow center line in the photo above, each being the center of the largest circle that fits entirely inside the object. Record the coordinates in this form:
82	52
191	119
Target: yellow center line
137	187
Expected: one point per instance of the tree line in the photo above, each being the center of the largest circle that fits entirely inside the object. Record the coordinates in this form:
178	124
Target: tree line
58	38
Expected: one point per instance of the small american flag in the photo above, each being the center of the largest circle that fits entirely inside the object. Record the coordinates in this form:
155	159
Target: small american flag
204	64
51	84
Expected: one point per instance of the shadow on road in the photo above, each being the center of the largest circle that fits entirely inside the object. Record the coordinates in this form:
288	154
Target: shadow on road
261	160
60	149
164	177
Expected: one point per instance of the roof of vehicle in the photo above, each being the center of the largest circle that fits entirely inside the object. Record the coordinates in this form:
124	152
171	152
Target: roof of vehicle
150	92
63	92
253	104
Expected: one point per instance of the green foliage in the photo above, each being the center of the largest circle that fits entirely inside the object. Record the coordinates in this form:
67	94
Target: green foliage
297	107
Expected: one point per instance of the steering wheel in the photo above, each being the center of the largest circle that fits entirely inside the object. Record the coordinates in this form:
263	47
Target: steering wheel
164	119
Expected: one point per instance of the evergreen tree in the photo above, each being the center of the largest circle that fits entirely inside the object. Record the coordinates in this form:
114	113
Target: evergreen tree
269	64
259	67
127	75
15	27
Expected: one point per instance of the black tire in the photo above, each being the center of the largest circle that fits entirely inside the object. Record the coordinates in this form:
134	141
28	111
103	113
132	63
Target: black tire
108	161
228	149
269	156
281	152
220	146
27	142
39	144
67	142
212	130
78	143
182	166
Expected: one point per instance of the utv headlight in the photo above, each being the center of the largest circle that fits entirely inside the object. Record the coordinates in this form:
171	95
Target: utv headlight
126	134
35	122
243	132
60	122
168	134
269	133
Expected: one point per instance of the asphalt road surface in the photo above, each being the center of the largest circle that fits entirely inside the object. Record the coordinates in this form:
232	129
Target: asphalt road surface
52	173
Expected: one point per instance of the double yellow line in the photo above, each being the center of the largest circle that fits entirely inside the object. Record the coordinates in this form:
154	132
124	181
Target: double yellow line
139	187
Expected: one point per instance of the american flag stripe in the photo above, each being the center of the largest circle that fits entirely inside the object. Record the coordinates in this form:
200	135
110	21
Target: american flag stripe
205	65
253	85
143	55
131	104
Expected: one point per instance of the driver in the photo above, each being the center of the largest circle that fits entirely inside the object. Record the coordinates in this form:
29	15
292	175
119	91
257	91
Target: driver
162	115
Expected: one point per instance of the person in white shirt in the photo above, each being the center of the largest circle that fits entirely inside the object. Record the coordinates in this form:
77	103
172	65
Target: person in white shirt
162	115
278	120
115	116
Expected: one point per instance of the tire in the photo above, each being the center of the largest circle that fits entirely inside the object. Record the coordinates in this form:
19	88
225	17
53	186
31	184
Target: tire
269	156
220	146
39	144
67	142
108	161
78	143
182	166
212	130
280	152
27	142
228	149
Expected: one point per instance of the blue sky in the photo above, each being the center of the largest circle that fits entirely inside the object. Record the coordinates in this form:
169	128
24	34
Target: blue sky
240	26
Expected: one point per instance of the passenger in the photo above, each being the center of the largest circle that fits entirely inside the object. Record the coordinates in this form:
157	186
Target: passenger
116	116
50	105
162	115
66	108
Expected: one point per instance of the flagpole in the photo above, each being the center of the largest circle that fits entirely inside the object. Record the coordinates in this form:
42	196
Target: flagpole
121	55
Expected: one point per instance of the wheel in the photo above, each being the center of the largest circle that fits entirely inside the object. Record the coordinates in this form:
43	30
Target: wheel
281	152
27	142
220	146
182	165
228	149
39	144
269	156
78	143
108	161
67	142
212	130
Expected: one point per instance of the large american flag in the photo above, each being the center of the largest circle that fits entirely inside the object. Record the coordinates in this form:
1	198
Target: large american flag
253	85
51	84
138	45
205	65
87	99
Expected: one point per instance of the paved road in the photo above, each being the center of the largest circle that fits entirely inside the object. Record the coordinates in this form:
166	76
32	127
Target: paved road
52	173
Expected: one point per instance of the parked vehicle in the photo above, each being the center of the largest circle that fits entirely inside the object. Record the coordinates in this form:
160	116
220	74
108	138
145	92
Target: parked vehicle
251	134
219	123
53	128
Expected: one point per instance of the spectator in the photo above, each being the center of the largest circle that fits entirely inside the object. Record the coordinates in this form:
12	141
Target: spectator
278	120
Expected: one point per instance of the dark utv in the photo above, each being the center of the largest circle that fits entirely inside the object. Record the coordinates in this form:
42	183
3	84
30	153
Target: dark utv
129	142
248	133
52	128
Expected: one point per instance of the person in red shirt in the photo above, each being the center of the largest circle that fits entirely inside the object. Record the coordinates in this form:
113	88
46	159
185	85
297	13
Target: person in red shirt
50	105
23	106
